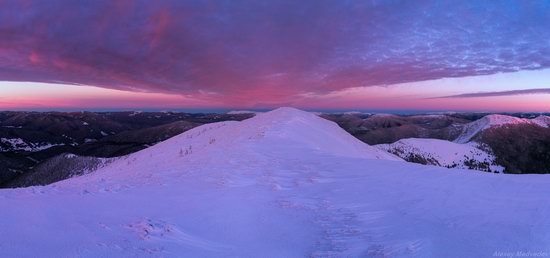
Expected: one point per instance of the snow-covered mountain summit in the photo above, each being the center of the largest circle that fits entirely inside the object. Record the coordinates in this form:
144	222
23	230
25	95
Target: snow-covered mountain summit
308	130
282	184
283	131
474	128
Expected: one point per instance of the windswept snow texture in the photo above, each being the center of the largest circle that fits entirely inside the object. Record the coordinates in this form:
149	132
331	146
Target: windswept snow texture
443	153
474	128
282	184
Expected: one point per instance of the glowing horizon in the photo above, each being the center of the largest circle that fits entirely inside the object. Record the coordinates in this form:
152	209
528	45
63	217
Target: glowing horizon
419	96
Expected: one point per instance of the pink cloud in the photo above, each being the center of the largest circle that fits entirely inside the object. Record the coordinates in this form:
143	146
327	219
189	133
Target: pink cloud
259	53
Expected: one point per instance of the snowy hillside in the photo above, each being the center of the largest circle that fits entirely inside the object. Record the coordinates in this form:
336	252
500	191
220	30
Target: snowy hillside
543	121
474	128
443	153
17	144
56	169
282	184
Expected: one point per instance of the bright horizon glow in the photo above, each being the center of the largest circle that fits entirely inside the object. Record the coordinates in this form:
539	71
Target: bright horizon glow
47	96
421	96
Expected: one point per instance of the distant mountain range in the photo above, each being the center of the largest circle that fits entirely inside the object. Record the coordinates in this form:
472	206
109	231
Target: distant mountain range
31	143
488	142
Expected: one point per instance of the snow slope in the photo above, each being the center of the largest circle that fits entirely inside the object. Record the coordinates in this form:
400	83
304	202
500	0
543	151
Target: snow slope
282	184
543	121
18	144
443	153
472	129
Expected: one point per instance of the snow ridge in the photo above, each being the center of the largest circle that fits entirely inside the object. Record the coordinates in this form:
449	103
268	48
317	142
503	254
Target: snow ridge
277	129
443	153
472	129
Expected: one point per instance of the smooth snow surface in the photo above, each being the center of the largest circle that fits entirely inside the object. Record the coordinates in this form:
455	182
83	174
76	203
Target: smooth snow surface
282	184
443	153
470	130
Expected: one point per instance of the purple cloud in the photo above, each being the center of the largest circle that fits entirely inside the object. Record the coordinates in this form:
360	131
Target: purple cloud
500	93
255	49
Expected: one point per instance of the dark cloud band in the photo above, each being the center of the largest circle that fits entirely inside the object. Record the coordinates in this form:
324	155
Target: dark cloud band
500	93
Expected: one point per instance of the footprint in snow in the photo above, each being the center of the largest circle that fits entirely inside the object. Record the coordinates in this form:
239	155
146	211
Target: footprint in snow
154	230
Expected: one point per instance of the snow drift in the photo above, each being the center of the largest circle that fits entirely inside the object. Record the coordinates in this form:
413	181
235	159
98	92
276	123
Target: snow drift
282	184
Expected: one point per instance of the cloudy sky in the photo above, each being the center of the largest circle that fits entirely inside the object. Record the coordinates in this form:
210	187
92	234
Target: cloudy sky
391	55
